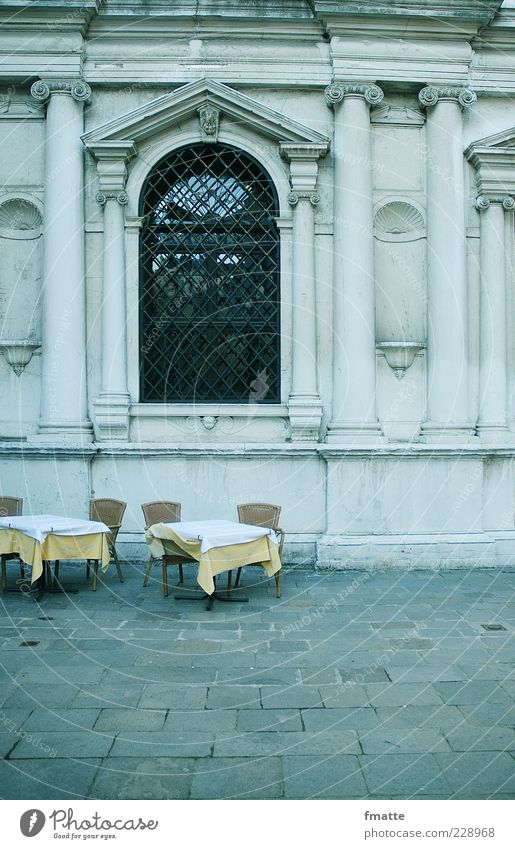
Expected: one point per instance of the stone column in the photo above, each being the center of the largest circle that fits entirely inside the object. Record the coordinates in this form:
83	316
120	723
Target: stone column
64	416
447	394
493	377
354	416
112	405
305	408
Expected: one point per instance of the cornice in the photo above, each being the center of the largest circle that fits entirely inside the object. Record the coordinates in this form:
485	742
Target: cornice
54	15
417	18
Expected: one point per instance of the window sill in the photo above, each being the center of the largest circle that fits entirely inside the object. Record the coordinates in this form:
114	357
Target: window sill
233	410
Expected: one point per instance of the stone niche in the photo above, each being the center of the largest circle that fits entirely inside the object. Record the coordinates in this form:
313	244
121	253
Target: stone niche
400	257
20	272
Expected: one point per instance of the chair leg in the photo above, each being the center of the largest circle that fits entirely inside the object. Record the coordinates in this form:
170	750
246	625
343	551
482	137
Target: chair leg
238	576
117	565
278	584
22	570
95	575
4	573
181	574
148	570
48	572
56	571
229	581
88	570
165	579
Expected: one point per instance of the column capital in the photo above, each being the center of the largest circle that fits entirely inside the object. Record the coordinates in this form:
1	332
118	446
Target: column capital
294	197
337	91
121	197
77	89
430	95
482	202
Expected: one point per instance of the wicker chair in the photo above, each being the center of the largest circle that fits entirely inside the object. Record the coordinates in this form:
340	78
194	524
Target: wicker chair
10	506
164	511
110	512
266	516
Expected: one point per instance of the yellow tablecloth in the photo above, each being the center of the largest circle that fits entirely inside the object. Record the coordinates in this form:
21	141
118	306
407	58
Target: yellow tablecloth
162	540
54	547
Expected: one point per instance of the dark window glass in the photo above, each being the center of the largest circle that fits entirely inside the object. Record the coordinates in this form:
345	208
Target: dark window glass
209	282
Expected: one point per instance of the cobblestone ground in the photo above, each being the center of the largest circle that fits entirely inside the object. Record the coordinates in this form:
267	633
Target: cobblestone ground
352	685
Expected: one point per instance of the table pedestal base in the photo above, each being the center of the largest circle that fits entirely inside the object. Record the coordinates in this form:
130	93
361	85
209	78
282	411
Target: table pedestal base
219	597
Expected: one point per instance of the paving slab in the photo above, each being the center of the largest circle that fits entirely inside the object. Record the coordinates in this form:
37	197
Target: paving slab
72	744
130	719
63	720
296	696
333	777
320	719
438	717
474	775
227	696
50	778
399	694
237	778
473	693
402	741
173	744
286	719
347	694
468	738
143	778
411	775
108	695
266	744
174	696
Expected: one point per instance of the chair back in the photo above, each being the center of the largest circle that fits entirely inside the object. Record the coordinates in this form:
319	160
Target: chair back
10	505
161	511
107	510
264	515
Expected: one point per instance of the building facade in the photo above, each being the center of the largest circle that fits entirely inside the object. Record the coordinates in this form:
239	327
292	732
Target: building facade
263	251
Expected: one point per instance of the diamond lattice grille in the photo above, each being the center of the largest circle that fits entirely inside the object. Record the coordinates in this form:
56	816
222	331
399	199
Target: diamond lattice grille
209	293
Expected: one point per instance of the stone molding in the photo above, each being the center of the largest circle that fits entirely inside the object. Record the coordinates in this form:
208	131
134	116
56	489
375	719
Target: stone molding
336	92
430	95
43	89
23	108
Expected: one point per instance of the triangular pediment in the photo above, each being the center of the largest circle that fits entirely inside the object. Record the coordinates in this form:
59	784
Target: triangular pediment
497	141
493	157
164	112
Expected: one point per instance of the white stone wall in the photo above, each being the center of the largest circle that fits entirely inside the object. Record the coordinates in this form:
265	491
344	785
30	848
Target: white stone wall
383	455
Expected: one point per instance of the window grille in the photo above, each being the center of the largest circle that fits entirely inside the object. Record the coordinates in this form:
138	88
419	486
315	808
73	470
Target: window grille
209	281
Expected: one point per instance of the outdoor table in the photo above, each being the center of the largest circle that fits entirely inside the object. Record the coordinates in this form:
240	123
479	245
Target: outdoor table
41	538
218	546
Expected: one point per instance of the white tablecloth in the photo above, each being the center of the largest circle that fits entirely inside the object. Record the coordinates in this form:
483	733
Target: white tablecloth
38	527
217	533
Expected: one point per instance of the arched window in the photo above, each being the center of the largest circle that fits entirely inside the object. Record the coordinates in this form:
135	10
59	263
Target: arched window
209	279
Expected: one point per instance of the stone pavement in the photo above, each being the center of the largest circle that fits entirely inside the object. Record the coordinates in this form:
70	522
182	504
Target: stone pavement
353	685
